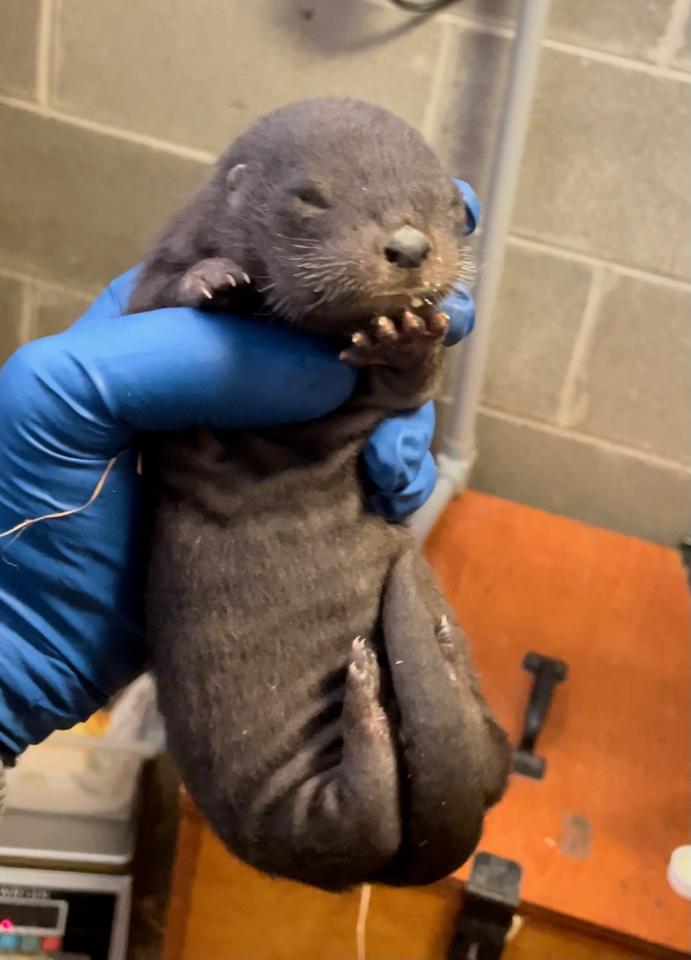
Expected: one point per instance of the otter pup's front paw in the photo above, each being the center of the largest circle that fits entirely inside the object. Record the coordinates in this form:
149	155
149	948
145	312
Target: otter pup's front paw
209	278
396	342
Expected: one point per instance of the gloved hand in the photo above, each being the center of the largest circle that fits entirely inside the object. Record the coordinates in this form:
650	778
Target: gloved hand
71	589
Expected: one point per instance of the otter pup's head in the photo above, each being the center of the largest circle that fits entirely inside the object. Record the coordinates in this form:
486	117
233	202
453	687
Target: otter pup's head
344	213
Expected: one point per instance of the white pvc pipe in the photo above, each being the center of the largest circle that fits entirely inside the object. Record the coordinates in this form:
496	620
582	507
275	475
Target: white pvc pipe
456	438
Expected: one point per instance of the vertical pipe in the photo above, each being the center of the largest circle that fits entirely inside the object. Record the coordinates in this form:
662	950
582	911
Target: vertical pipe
456	439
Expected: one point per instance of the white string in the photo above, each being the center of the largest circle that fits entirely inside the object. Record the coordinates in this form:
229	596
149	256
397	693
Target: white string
361	925
21	527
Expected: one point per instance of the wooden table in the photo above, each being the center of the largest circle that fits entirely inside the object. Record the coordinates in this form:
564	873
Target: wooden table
593	837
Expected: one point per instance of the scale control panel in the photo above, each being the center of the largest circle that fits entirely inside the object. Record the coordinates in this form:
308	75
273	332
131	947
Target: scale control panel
58	915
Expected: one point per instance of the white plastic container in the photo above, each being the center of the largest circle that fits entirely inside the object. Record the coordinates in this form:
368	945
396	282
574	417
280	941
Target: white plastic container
78	774
93	769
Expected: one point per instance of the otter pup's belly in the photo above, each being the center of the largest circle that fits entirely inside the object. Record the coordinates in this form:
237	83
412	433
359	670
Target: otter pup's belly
229	595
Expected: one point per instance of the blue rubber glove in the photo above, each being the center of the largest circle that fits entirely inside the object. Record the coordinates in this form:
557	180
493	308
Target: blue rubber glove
71	589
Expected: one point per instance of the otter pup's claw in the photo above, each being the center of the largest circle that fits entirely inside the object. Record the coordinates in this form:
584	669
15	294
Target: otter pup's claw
363	351
439	324
411	323
431	327
396	343
363	664
385	329
210	278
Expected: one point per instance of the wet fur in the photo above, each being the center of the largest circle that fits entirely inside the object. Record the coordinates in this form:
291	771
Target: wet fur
317	689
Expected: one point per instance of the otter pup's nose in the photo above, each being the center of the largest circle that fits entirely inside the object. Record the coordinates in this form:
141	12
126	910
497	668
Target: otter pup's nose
407	248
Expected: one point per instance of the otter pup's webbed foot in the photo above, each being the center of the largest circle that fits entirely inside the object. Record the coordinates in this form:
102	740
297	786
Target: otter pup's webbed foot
396	342
208	278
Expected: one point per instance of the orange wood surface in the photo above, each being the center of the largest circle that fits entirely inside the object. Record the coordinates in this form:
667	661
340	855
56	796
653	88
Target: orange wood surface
617	739
236	913
223	910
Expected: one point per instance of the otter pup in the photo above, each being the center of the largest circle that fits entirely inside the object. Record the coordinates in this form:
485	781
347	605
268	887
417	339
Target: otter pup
317	690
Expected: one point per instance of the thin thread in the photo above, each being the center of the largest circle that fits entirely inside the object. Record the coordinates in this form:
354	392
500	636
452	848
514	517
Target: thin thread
361	925
25	524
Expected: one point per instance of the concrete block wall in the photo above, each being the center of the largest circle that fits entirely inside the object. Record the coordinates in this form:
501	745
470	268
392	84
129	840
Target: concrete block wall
109	116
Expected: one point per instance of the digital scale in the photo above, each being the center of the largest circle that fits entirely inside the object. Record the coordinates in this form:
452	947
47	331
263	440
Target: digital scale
64	888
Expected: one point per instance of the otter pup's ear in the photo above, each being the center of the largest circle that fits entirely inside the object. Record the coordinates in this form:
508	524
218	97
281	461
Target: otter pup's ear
239	181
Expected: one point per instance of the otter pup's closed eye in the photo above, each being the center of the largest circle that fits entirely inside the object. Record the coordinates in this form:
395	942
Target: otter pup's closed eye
317	690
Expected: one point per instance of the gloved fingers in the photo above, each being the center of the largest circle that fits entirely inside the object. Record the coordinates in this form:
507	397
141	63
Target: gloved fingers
178	368
399	505
472	205
398	447
459	306
88	390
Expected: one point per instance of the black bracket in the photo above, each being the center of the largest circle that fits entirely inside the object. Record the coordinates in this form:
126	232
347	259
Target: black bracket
492	895
548	673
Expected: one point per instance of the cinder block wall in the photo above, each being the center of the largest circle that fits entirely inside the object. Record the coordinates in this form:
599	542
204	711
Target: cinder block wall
110	113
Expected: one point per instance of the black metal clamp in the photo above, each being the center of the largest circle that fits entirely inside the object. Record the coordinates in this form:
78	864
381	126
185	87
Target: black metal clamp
491	897
548	673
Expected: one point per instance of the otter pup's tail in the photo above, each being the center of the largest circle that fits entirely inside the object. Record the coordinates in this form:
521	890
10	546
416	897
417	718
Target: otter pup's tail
456	758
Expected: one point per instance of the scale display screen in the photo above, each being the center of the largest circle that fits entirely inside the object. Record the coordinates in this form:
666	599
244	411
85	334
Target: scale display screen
33	916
